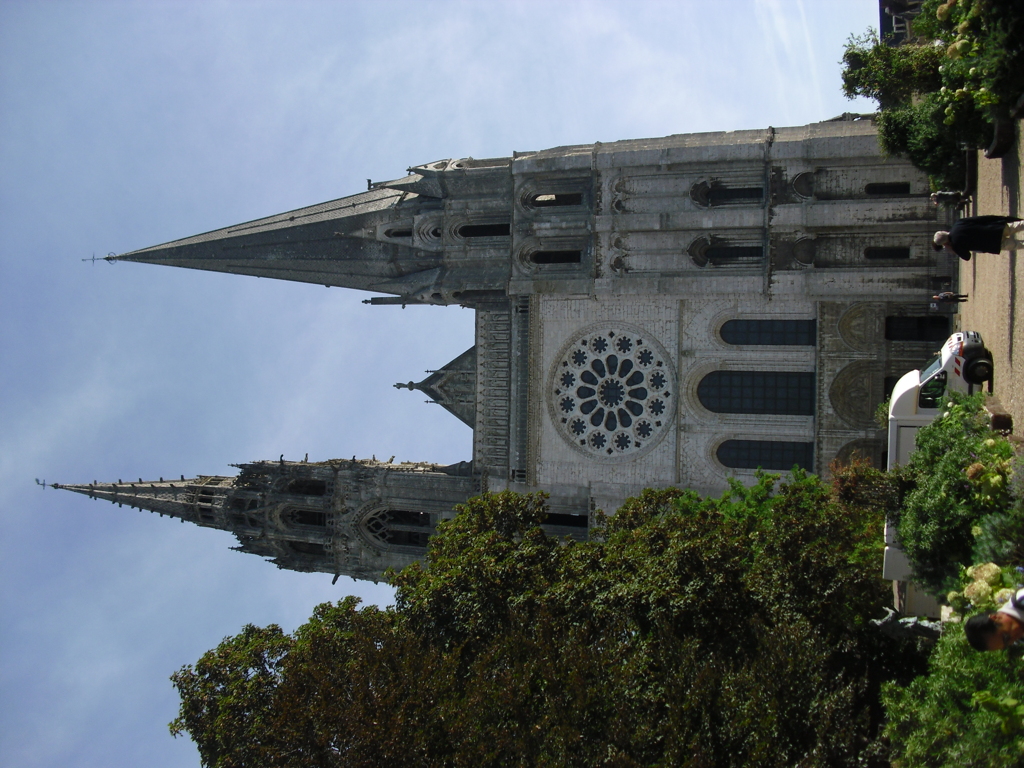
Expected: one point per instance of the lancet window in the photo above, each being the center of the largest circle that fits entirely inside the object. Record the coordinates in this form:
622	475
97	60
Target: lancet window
485	230
766	454
769	332
926	328
886	252
788	393
399	528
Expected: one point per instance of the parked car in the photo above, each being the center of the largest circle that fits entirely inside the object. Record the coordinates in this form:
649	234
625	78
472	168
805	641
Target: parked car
962	365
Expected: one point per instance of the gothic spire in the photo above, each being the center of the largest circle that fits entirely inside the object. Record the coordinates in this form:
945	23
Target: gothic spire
176	498
453	387
363	241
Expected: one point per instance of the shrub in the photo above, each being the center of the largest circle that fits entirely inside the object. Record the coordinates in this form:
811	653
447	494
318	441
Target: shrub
999	536
941	721
960	470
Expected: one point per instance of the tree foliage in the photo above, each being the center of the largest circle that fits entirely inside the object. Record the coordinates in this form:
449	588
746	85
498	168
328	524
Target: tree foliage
891	75
964	712
688	631
960	474
940	91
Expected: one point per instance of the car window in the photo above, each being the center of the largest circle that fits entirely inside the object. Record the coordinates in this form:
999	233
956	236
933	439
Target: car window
932	390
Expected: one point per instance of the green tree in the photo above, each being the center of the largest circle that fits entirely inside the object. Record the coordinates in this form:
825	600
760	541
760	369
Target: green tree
689	631
940	92
964	712
891	75
959	476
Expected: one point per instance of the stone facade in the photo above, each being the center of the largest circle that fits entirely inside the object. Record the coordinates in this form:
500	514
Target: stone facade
673	311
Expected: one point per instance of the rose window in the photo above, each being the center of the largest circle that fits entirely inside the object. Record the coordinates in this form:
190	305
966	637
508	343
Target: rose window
610	391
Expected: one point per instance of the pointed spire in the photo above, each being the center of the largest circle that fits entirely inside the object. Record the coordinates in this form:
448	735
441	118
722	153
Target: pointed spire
178	498
341	243
453	387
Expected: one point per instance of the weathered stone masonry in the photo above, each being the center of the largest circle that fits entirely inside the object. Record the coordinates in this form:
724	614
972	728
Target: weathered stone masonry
672	311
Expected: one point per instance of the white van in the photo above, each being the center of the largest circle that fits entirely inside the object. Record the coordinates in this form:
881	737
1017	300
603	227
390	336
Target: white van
962	365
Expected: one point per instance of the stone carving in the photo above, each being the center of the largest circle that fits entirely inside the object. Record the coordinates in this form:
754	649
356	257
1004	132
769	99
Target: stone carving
861	327
856	392
863	448
611	391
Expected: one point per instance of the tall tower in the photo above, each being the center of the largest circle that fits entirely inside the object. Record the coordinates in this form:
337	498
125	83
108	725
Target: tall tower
344	517
655	312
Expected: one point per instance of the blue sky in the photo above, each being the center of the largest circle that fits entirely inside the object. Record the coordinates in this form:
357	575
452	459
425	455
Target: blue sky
127	124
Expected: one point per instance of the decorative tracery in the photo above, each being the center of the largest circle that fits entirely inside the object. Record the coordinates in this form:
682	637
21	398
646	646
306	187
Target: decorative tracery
611	391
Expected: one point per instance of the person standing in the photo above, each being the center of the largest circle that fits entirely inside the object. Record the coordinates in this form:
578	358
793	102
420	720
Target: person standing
987	234
948	297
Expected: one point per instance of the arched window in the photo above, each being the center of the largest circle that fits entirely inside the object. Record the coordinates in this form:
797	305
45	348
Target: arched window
927	328
485	230
719	252
399	527
887	189
307	517
556	257
547	200
886	253
789	393
769	332
569	521
727	254
766	454
713	193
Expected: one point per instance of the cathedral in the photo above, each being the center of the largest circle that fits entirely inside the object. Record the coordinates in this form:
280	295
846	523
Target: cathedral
649	313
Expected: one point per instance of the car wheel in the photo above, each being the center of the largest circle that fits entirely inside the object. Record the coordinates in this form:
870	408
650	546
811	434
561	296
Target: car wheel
978	370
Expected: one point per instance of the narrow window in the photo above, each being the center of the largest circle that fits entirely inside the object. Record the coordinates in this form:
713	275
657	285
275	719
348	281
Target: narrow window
790	333
484	230
730	254
398	233
406	517
722	195
556	201
569	521
789	393
886	253
766	454
887	189
308	517
927	328
556	257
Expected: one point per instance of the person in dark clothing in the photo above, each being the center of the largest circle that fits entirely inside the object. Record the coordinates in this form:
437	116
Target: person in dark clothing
948	297
955	200
988	234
